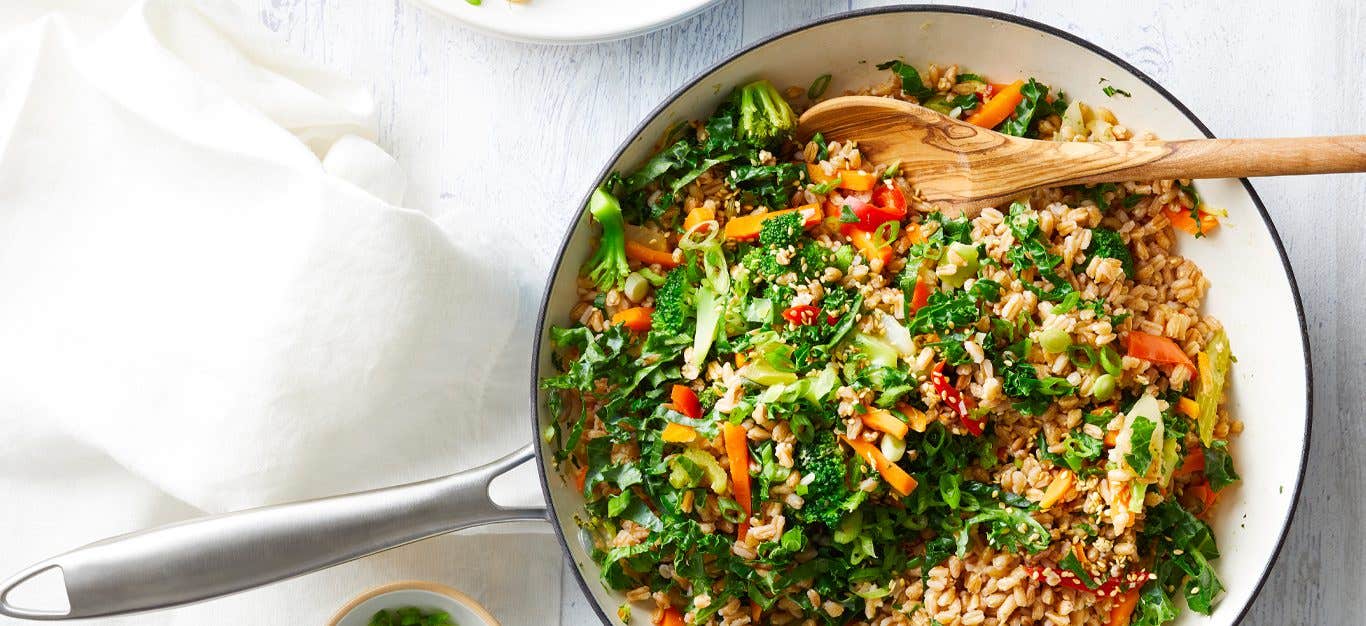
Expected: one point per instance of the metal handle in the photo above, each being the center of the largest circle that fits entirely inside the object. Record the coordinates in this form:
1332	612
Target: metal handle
219	555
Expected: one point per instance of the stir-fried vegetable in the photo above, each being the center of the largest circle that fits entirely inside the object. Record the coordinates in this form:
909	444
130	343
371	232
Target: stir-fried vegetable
810	388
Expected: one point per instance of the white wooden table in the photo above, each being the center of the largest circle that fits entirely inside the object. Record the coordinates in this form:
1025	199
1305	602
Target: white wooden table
488	125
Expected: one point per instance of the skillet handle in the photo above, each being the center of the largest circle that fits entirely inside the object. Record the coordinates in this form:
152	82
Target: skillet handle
218	555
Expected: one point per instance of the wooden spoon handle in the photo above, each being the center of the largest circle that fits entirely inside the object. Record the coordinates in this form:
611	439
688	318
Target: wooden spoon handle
1218	158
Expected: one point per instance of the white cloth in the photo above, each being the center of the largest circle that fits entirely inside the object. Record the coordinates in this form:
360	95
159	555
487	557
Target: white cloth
210	299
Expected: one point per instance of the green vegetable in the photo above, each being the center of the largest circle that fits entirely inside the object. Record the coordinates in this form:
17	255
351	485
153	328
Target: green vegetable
1031	250
764	114
708	322
608	267
1103	387
1021	381
1109	244
945	311
636	287
818	87
1144	425
1035	104
911	83
877	352
1219	465
1011	529
964	258
785	230
828	497
412	616
1214	366
1154	608
1055	340
673	303
690	462
1184	546
1079	449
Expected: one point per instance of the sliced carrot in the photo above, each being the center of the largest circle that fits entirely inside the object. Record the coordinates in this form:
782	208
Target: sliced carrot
635	318
671	617
999	107
1057	489
1157	349
857	180
678	433
746	227
1188	407
685	401
1182	220
699	215
1122	608
1193	463
742	529
581	478
918	420
863	240
883	420
896	477
740	359
637	251
921	296
737	453
755	612
913	234
1111	438
852	180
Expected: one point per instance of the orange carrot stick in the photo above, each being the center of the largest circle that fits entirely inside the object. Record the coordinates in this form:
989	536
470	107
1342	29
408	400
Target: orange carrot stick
637	251
678	433
746	227
999	107
882	420
698	215
1157	349
737	452
635	318
685	401
896	477
1182	220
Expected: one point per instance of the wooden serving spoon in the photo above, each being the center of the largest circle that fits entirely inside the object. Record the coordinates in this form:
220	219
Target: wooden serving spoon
968	167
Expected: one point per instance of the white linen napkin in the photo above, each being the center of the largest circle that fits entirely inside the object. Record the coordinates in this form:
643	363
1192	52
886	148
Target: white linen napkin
210	299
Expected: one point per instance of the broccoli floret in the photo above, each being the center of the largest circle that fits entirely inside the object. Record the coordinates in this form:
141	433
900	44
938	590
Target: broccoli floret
672	305
783	230
763	263
608	266
828	497
1109	244
813	259
764	114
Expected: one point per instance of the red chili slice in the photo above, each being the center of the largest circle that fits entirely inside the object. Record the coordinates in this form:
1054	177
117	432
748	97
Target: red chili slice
952	397
801	315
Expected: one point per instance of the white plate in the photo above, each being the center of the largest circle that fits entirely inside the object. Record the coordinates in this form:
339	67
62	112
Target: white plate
1252	289
567	21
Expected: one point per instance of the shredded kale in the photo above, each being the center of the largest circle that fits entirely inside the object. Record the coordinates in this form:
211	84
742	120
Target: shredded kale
911	83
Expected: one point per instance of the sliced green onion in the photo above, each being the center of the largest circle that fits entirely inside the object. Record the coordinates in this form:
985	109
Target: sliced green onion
1103	388
886	233
1111	361
892	170
818	86
893	447
636	287
1082	356
1055	340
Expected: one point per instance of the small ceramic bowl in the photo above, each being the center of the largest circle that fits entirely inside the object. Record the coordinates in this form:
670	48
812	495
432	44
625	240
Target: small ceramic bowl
413	593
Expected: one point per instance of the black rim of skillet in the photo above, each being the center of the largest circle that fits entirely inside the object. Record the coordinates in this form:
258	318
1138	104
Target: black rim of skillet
914	8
